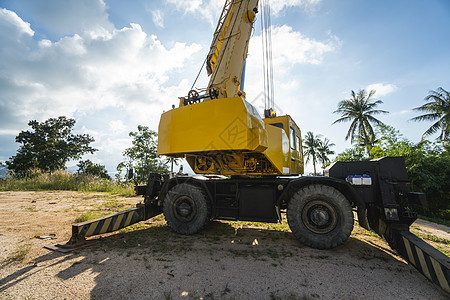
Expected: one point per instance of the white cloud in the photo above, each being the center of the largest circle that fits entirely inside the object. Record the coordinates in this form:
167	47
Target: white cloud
290	47
109	79
208	9
158	18
187	5
82	72
13	24
402	112
60	18
276	6
382	89
117	126
211	9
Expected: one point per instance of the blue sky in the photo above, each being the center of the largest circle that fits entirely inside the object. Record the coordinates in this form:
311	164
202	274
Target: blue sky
114	64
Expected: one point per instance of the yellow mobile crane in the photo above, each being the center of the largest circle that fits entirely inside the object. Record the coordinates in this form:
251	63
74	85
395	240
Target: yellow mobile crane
220	133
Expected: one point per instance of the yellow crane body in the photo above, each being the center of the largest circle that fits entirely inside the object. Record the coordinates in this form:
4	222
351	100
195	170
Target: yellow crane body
227	136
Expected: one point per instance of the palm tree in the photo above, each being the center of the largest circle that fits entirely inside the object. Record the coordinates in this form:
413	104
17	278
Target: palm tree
360	110
311	146
437	109
324	151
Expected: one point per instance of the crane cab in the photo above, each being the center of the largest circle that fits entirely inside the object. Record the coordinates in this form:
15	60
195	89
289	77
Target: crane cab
291	152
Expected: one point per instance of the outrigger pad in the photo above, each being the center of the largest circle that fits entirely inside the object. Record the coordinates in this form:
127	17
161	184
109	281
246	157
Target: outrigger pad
66	247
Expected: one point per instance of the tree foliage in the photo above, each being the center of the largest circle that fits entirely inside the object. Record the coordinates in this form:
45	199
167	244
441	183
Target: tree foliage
437	109
88	167
142	156
48	146
317	150
311	144
360	111
325	151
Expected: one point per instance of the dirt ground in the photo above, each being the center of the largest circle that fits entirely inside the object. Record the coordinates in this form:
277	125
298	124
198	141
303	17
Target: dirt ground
227	260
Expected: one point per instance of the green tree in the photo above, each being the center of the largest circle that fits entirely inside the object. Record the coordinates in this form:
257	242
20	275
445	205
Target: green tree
142	156
356	153
360	110
311	145
88	167
48	146
437	109
325	151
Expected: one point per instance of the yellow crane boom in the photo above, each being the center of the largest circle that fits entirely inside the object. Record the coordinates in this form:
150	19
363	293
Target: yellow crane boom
229	48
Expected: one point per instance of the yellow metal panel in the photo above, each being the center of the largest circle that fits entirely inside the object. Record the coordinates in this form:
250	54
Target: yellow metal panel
220	124
278	151
293	159
227	136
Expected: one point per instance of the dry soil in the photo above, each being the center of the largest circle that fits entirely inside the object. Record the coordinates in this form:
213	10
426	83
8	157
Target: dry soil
227	260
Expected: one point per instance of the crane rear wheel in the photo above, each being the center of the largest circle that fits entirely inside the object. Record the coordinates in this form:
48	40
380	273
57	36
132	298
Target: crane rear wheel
320	216
186	208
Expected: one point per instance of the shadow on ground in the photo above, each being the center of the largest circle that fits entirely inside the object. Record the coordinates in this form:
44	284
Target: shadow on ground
223	262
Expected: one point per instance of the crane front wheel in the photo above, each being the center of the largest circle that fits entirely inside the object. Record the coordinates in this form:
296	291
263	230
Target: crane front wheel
186	208
320	216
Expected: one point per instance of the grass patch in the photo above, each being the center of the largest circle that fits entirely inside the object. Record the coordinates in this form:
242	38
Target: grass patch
89	215
430	237
65	181
435	239
283	226
435	220
31	208
21	253
443	250
361	230
112	205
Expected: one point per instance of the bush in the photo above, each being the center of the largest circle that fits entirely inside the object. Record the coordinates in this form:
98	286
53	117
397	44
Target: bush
36	180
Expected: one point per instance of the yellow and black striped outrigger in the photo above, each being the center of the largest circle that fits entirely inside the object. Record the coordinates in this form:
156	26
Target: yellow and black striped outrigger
429	261
106	224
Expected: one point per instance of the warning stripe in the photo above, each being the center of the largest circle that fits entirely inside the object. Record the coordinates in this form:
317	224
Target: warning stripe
426	264
440	275
108	223
105	225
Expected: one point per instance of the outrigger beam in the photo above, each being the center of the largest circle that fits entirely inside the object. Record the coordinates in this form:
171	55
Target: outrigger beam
429	261
114	222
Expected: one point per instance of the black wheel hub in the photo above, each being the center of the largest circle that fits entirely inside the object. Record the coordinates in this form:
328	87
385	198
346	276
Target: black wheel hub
319	216
184	209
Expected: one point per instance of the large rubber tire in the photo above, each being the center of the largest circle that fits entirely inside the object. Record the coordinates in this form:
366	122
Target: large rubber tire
186	208
320	216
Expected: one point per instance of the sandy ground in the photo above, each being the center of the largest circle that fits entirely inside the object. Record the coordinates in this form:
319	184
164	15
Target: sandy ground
224	261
